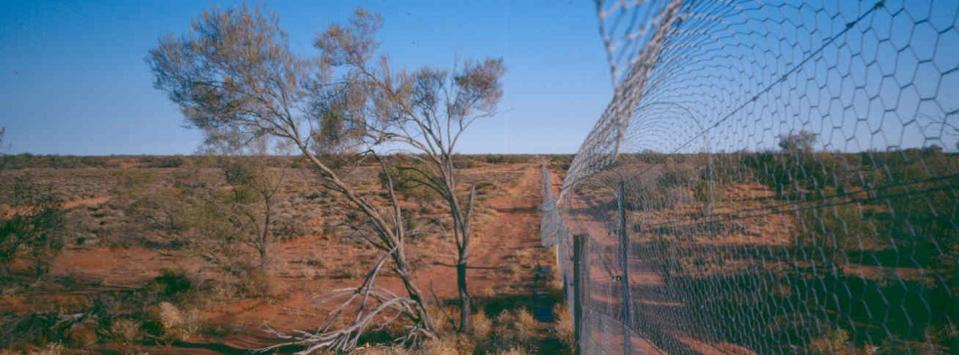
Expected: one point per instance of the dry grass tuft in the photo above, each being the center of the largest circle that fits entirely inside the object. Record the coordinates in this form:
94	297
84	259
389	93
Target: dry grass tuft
450	345
445	345
514	351
444	318
83	335
833	342
481	325
564	325
125	331
48	349
512	332
177	324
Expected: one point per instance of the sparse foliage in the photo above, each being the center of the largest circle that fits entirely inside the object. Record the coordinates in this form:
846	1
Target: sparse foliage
31	220
253	189
234	75
796	143
423	112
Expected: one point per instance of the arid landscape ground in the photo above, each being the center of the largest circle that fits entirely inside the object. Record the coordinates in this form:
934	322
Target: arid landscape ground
117	277
135	273
791	263
502	178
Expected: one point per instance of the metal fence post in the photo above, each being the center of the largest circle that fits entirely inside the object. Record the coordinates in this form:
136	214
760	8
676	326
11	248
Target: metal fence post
624	264
580	290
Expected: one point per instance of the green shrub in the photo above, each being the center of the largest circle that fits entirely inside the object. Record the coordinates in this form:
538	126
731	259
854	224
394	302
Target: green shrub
677	174
32	226
162	161
409	184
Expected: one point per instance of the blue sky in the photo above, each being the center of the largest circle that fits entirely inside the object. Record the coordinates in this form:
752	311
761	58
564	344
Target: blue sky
73	78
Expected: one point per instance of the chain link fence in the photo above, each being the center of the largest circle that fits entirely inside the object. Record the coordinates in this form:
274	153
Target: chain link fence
769	177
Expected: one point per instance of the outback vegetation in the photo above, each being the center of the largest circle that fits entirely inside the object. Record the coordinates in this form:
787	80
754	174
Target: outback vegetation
235	78
377	173
159	258
766	178
793	228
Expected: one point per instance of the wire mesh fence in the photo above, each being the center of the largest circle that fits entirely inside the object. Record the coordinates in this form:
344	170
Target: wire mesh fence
770	176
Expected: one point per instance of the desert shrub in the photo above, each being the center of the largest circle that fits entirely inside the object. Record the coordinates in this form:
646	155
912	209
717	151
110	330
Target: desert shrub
54	348
443	345
30	161
125	331
832	342
504	158
465	162
254	282
148	313
408	183
171	283
677	174
481	325
34	328
82	335
446	345
703	192
228	220
560	162
641	197
512	331
31	226
484	188
906	206
647	156
793	173
564	325
162	161
132	182
162	211
169	323
836	229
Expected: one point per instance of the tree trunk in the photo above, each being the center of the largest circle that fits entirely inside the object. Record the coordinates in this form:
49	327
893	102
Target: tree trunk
465	302
462	256
265	237
399	262
263	259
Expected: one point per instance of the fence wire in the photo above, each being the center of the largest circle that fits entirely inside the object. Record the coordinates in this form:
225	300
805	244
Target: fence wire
769	177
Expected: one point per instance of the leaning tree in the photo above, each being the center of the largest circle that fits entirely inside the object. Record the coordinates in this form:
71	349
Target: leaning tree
233	74
421	114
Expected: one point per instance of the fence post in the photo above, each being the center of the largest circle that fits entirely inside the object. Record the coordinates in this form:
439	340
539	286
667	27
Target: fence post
624	264
580	290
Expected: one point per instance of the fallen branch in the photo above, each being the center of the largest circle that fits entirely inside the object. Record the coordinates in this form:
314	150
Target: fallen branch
371	303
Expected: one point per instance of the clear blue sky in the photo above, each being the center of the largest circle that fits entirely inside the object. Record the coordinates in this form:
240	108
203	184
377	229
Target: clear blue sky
73	78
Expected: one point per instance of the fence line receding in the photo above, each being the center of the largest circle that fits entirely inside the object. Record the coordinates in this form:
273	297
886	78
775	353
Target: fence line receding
769	177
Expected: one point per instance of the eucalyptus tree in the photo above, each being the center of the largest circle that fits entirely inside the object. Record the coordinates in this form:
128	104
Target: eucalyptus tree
233	74
422	114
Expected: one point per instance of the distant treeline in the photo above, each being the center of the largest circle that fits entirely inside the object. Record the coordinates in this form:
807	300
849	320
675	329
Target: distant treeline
31	161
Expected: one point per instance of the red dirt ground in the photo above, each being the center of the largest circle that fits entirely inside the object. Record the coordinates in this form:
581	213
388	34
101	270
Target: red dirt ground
505	232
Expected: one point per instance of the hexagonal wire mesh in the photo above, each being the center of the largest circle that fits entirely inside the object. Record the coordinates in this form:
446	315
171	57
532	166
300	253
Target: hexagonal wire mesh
782	176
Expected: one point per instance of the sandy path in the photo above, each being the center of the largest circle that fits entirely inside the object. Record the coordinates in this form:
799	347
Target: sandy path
661	317
513	229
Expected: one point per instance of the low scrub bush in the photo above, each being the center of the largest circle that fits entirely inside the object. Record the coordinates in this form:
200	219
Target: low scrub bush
512	331
409	184
125	331
31	225
564	326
